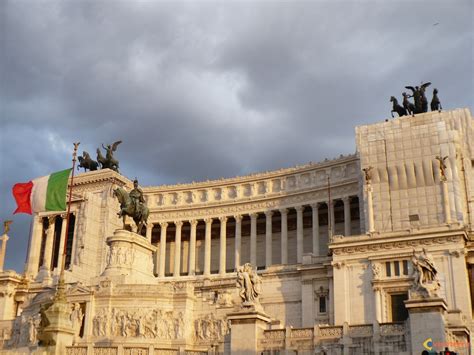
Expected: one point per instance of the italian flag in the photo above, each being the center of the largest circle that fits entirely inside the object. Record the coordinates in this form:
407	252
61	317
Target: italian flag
47	193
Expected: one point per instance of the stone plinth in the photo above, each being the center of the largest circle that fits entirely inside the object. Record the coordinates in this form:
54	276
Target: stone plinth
247	327
426	322
129	258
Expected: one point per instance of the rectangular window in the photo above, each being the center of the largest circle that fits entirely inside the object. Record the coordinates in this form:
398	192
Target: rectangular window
388	269
399	311
405	267
322	304
396	264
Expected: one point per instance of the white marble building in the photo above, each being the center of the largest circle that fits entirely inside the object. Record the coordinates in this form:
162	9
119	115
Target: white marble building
333	243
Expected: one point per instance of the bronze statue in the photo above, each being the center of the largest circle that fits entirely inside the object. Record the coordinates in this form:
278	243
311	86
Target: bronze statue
418	94
397	108
435	103
407	105
109	161
133	204
86	162
368	174
6	226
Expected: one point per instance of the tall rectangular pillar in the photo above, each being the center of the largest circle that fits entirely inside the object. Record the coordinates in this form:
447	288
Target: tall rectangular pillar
284	236
192	248
223	241
207	248
268	238
253	239
177	249
164	226
299	234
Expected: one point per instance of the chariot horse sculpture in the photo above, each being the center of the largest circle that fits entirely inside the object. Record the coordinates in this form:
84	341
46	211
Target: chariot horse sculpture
128	208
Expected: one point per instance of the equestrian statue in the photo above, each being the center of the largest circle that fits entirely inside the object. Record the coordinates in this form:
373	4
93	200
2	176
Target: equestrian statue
86	162
132	204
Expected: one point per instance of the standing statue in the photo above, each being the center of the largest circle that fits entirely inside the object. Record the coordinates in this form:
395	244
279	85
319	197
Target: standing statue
86	162
6	226
442	167
368	174
76	318
108	161
435	103
425	279
424	100
397	108
407	105
250	286
133	204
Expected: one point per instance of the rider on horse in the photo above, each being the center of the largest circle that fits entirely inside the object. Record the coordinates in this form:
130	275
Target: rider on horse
137	197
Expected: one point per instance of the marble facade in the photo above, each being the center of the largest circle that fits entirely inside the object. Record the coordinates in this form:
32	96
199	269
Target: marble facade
333	244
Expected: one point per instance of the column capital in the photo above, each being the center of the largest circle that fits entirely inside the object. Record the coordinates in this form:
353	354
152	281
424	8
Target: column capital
268	214
208	220
164	224
178	223
223	219
238	218
299	209
315	206
51	219
253	215
150	225
63	215
194	222
346	199
284	211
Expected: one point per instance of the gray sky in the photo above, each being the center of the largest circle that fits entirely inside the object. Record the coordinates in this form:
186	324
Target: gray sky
203	90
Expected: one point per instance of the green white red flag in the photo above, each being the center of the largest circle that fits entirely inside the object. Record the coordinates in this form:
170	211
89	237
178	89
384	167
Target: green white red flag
47	193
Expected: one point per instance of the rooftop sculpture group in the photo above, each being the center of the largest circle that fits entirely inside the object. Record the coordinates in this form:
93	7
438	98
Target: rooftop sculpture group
107	162
420	103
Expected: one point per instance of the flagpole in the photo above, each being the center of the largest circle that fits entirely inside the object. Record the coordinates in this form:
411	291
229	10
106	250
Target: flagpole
63	263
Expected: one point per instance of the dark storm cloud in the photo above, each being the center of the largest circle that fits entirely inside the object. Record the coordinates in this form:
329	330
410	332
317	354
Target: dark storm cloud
207	90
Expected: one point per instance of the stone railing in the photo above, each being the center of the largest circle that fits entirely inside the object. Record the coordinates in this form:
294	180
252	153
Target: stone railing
327	331
356	331
105	350
273	339
125	350
76	350
392	329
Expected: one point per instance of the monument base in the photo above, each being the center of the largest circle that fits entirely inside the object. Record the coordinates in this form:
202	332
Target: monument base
247	326
129	258
426	317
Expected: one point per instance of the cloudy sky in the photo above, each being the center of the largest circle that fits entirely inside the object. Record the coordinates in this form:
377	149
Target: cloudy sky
203	90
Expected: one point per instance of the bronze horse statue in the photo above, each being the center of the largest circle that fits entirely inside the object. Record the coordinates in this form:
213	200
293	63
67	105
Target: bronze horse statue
86	162
397	108
127	208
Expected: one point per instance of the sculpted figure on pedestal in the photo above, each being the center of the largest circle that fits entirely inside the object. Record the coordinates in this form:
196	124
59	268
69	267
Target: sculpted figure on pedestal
108	161
250	285
76	318
132	204
425	274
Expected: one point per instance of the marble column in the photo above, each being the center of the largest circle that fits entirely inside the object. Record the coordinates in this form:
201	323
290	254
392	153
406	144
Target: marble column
268	238
45	271
253	239
192	248
177	249
207	248
347	215
299	234
238	240
35	246
223	242
164	226
61	243
3	239
315	208
446	207
284	235
370	209
149	230
378	304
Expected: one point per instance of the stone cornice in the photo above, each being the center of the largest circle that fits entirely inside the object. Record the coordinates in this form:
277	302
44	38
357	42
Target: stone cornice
254	177
101	176
363	244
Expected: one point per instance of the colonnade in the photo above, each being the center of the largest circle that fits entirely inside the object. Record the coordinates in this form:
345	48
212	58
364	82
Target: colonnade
162	256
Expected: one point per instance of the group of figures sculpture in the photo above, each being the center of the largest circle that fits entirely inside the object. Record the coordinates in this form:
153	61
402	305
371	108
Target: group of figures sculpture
151	323
425	275
107	162
210	328
250	286
133	204
419	104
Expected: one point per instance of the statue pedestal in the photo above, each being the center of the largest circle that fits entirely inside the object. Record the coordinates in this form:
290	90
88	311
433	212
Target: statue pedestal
129	258
247	326
426	317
